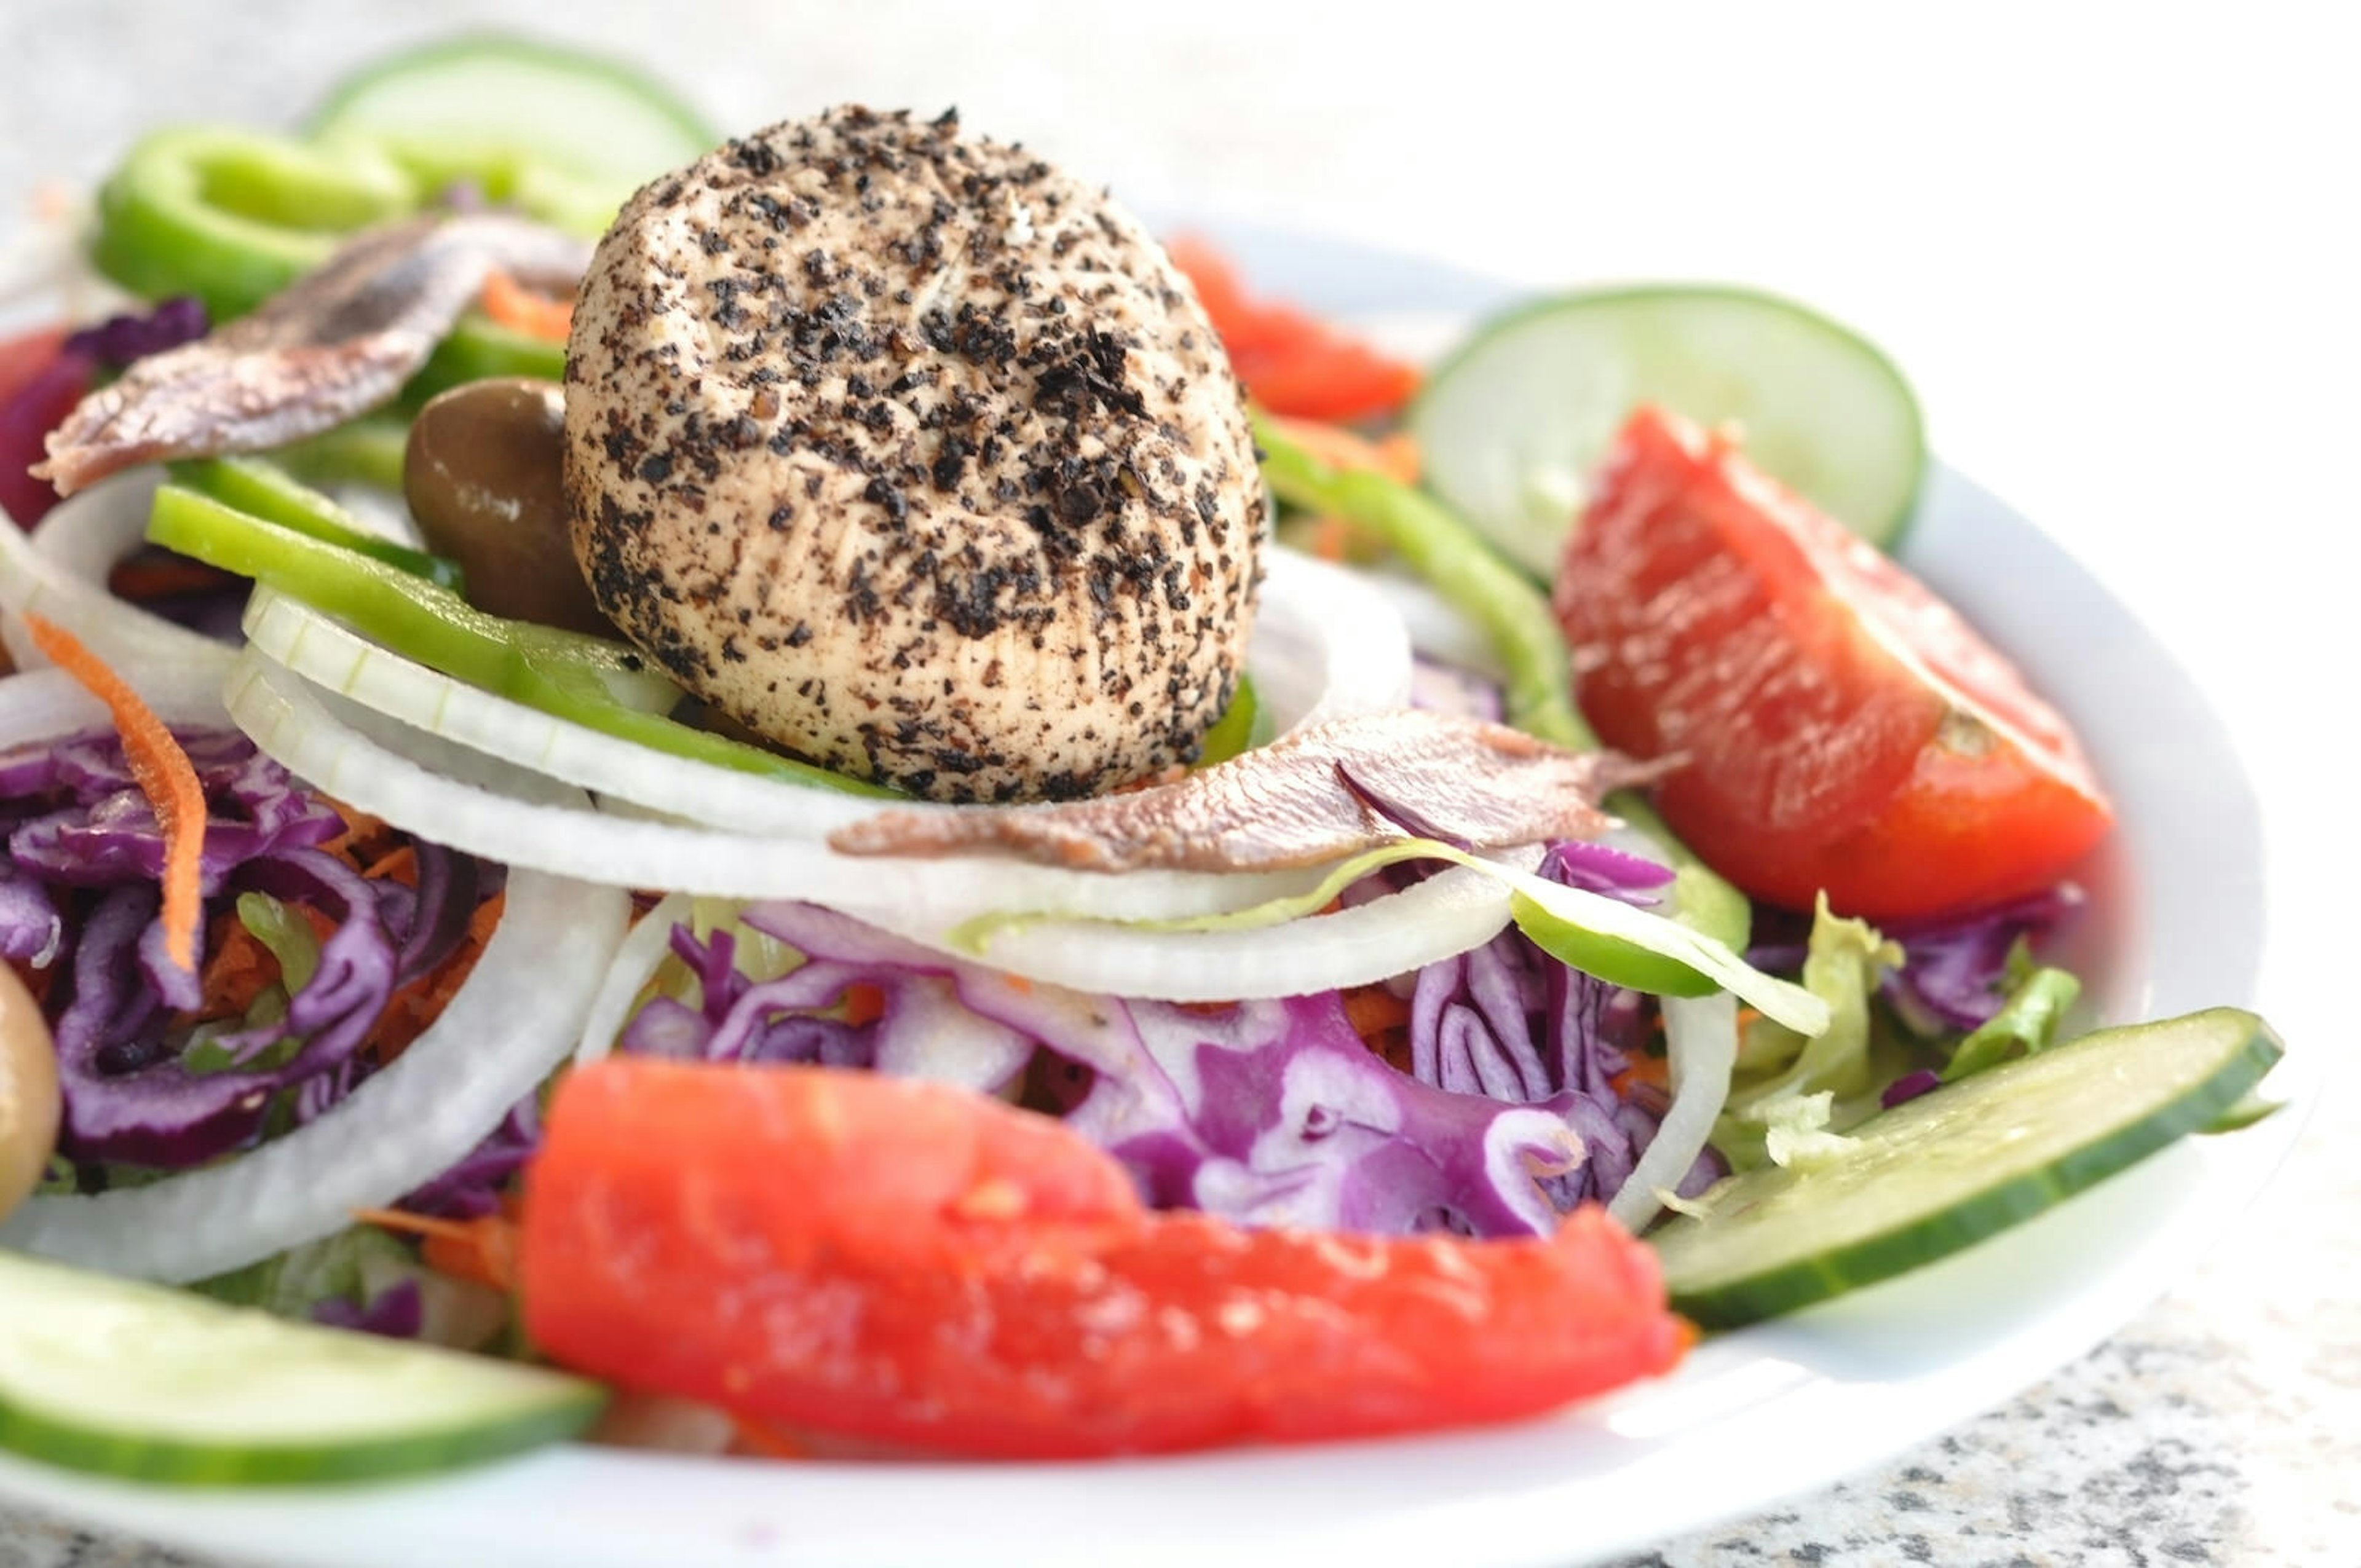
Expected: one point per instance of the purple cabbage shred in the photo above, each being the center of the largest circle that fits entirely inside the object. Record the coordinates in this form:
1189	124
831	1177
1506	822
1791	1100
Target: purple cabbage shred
1266	1112
79	896
472	1188
118	340
397	1311
1954	973
1910	1086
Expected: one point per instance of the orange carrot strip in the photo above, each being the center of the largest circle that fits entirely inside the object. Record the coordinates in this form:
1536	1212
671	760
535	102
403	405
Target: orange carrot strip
482	1251
163	773
864	1003
519	309
1372	1010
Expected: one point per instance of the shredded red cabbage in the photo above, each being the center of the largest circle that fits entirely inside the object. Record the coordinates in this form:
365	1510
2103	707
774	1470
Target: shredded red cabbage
118	340
39	406
1268	1112
85	851
1508	1021
397	1311
1954	971
1910	1086
472	1188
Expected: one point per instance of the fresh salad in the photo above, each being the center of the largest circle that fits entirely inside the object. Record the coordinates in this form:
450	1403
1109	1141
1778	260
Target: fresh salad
801	795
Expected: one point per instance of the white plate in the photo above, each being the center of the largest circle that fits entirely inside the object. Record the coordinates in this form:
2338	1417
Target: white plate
2176	923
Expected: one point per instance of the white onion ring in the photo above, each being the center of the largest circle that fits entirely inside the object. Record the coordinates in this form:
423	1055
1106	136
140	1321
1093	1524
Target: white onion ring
1701	1051
517	1017
47	705
636	962
1325	646
61	572
506	814
1445	915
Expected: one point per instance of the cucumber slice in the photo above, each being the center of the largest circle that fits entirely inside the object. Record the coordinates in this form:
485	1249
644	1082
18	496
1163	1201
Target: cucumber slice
132	1379
560	132
1513	427
1945	1170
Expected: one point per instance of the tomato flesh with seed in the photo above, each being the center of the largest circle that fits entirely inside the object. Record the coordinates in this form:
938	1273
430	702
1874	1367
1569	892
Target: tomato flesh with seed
1843	729
922	1265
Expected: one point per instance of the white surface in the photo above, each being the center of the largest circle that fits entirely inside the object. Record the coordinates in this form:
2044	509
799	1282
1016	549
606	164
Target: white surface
2110	244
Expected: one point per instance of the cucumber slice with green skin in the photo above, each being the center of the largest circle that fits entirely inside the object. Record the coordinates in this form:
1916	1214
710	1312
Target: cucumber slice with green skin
141	1380
1513	427
511	113
1945	1170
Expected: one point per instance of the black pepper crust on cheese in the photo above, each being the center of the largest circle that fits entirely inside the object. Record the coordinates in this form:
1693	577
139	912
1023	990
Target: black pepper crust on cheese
916	456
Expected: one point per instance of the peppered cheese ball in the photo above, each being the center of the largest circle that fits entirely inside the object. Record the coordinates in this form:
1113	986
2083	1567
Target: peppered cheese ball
916	456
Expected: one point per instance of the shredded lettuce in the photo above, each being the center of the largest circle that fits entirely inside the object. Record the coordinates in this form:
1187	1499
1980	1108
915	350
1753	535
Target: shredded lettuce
343	1277
1796	1130
2026	1022
1843	965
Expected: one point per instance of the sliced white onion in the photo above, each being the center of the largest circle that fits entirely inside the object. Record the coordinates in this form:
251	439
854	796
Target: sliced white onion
636	962
476	804
1446	914
1701	1051
1327	644
1323	647
61	572
1437	628
517	1016
43	705
329	654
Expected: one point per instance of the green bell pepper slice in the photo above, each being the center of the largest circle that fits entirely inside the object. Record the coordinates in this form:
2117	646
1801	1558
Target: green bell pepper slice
257	487
589	680
233	217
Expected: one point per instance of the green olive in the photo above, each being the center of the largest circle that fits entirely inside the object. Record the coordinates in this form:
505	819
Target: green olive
483	477
29	1105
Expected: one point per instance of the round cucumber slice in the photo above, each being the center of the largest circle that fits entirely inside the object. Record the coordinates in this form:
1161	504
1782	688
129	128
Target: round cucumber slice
1940	1172
132	1379
548	128
1513	427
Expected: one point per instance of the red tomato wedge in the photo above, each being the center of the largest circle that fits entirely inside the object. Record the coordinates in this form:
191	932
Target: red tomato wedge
1845	730
922	1265
1292	363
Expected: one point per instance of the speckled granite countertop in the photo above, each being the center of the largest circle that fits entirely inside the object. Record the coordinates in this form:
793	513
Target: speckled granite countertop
2223	1424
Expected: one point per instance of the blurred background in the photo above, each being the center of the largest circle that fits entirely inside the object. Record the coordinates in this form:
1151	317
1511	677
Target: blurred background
2110	244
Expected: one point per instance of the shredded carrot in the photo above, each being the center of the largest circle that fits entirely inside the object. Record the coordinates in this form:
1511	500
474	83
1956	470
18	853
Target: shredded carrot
864	1003
760	1437
1331	535
519	309
163	773
237	971
483	1251
1642	1067
399	865
412	1010
1372	1010
1394	455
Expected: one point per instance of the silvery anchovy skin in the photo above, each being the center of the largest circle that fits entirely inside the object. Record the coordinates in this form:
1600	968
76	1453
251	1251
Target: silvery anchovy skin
916	455
337	343
1304	800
